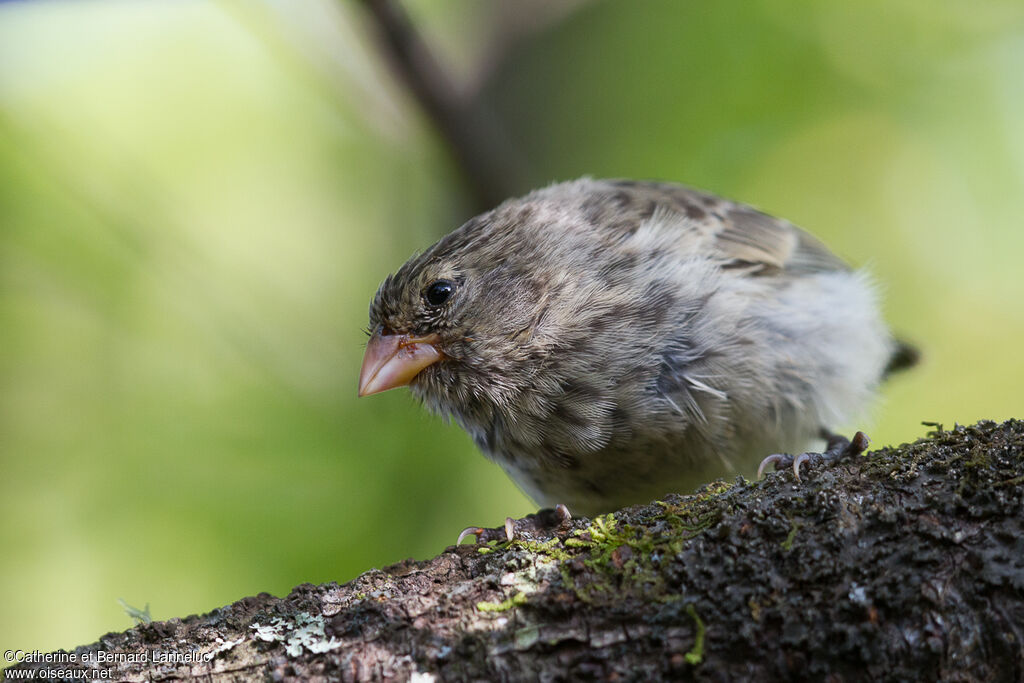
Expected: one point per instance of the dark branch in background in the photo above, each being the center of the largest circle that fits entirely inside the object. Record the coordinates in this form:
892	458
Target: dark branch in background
490	166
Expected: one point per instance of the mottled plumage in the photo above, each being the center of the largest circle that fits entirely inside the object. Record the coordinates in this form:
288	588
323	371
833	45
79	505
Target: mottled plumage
608	341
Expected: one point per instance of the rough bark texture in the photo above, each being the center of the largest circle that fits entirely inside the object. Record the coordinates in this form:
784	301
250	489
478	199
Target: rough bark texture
904	564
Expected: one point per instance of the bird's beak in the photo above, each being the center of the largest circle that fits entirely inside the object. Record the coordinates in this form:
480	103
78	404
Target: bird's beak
392	360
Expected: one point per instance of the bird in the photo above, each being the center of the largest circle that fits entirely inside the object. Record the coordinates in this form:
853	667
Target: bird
606	342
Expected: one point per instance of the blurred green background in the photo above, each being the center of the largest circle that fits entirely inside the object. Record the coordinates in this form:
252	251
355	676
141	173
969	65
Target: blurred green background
198	199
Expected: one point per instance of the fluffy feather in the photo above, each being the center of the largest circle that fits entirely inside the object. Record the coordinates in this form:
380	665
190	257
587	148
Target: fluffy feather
610	341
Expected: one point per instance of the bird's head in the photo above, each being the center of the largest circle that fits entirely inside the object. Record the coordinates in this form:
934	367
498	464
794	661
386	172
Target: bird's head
458	323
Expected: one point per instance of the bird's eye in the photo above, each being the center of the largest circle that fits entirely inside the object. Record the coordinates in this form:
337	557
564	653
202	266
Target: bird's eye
437	293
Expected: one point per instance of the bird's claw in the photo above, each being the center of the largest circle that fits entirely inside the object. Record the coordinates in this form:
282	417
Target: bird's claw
563	513
836	448
777	458
532	525
800	460
469	531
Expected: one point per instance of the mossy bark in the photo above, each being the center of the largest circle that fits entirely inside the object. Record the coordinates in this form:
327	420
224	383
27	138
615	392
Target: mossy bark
903	564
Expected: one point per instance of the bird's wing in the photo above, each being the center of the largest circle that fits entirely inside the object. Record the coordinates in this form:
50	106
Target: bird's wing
743	237
746	235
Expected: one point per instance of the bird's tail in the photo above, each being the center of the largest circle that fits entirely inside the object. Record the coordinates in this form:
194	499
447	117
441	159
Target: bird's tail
904	356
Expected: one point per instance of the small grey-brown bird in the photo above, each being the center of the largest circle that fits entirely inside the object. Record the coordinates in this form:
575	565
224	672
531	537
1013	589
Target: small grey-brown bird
610	341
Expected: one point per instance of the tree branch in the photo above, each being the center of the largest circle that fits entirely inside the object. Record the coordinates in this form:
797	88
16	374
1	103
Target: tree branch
491	167
905	564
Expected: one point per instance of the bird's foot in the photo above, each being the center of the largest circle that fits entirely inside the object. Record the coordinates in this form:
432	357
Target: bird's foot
836	448
531	527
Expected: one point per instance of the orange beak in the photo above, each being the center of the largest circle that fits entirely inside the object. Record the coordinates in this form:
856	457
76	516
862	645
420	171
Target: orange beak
392	360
